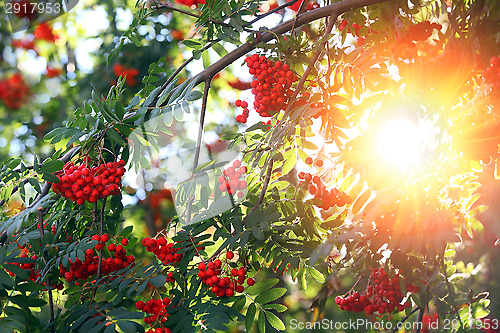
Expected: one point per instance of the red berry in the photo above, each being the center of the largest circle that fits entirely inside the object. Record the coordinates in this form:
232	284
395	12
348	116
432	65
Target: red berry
250	281
229	255
309	160
125	241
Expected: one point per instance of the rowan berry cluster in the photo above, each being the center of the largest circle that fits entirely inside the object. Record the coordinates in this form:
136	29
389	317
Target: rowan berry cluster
157	310
128	73
113	260
44	32
271	86
14	91
492	75
163	250
383	295
80	183
230	180
223	282
419	32
323	198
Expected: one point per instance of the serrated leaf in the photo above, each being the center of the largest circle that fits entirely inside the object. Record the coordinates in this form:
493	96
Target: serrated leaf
261	322
270	295
316	274
51	166
250	316
275	321
158	280
262	286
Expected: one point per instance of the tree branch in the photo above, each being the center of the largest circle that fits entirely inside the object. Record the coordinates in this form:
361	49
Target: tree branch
308	17
202	123
45	260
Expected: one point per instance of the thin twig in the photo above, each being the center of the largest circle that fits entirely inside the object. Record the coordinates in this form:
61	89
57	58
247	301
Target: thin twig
160	5
99	270
277	9
308	17
45	260
167	7
202	123
266	182
308	70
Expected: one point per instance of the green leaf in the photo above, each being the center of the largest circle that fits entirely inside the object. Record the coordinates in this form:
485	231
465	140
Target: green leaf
250	316
262	286
270	295
316	274
51	166
128	326
114	136
290	161
258	233
50	178
275	306
158	280
262	322
275	321
194	95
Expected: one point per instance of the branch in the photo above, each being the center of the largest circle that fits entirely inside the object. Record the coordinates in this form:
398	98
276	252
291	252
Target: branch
266	183
317	54
308	17
45	260
202	123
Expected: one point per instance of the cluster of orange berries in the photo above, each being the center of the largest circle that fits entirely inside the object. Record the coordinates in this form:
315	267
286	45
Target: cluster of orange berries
492	75
128	73
14	91
212	273
419	32
117	260
271	86
163	250
157	310
81	183
230	179
383	295
44	32
322	197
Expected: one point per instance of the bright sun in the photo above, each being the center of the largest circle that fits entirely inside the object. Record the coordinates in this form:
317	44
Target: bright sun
401	143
